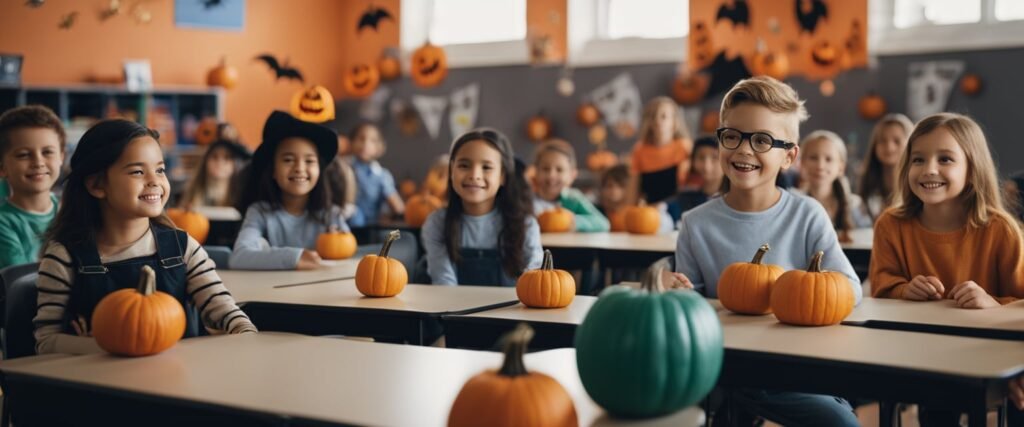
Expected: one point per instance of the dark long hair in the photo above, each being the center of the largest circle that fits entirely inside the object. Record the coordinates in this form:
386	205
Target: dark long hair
79	216
259	186
512	202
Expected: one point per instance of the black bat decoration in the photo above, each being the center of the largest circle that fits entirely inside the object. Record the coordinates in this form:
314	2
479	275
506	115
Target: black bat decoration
372	17
739	13
68	20
34	3
281	70
809	13
210	4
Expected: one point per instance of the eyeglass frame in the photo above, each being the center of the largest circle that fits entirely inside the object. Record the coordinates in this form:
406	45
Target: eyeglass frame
748	136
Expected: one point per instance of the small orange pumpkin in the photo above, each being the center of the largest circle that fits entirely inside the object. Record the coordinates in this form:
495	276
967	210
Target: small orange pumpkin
598	134
361	80
642	219
546	287
601	160
389	66
814	297
336	244
140	321
587	114
315	104
429	65
407	188
871	106
194	223
222	75
772	64
538	128
557	220
380	276
746	288
206	132
618	220
689	88
511	396
419	207
970	84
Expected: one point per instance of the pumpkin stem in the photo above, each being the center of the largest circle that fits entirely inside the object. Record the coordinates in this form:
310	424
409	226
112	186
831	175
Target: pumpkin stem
392	236
815	266
652	281
548	264
147	281
514	345
760	253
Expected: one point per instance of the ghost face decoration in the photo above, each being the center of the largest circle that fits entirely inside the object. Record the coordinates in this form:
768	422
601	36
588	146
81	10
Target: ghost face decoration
429	66
314	104
930	85
361	80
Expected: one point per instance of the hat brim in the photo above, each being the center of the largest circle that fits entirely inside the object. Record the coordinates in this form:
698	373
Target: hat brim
281	125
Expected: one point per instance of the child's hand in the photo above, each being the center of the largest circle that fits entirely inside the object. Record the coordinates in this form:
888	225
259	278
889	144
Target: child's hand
923	288
1016	394
81	327
309	260
673	280
969	295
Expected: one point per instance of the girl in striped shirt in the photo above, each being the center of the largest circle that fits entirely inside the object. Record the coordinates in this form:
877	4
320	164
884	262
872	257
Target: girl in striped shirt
110	223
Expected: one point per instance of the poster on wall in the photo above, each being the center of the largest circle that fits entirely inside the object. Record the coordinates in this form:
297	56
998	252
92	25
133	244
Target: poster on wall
929	86
620	104
431	109
228	15
465	103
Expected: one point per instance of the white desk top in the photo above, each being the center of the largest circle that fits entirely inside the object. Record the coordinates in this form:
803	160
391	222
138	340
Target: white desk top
237	281
616	241
219	213
863	239
573	314
317	378
941	312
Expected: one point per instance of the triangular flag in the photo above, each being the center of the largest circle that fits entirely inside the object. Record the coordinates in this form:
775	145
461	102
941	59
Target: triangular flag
431	108
465	103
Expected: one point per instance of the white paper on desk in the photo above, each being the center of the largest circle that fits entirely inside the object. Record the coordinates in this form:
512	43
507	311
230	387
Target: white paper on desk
328	263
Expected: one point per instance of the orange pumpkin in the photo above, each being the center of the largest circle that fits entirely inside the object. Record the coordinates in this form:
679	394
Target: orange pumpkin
512	396
812	298
140	321
772	64
380	276
314	104
538	128
407	188
546	287
601	159
746	288
361	80
970	84
587	114
419	207
598	134
709	121
194	223
389	66
689	88
824	54
222	75
642	219
618	220
206	132
429	65
557	220
335	244
871	106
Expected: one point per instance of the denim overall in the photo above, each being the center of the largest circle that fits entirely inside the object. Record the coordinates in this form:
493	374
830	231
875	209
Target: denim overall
481	267
94	280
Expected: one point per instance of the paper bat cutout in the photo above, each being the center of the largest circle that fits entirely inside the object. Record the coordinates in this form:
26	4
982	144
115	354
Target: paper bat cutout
68	20
739	14
372	17
281	70
210	4
809	13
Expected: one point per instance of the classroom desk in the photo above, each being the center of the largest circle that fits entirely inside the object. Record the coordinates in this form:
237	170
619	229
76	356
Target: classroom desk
225	222
241	281
274	379
940	317
555	327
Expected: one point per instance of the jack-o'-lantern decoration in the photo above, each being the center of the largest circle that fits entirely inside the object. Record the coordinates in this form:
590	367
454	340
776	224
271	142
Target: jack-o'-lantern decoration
588	114
871	106
772	64
702	49
314	104
222	75
206	132
389	66
538	128
970	84
827	59
429	65
598	134
689	88
361	80
709	121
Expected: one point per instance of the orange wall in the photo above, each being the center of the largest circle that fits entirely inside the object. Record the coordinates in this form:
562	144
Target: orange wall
361	47
549	17
305	31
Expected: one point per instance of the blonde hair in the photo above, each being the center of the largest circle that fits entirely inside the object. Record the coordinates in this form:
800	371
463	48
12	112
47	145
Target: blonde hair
982	193
679	129
843	220
555	145
871	170
771	94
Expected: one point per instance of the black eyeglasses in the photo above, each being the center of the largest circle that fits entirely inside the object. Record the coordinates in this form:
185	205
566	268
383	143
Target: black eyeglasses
759	141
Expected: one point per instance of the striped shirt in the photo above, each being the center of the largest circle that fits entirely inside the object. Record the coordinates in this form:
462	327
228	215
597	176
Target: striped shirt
56	277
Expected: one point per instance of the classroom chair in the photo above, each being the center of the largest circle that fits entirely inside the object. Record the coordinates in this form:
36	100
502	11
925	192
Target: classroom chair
20	308
8	275
220	255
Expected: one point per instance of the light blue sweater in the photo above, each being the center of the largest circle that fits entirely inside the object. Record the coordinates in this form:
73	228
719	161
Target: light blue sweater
714	235
478	232
273	239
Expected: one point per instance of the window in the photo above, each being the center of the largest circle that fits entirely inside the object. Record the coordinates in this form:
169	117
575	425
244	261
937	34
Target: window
477	21
913	13
652	19
1009	10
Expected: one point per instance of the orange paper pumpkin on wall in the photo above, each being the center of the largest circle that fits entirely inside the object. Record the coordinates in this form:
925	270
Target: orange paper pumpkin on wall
587	114
206	132
361	80
222	75
689	88
314	104
772	64
389	66
871	106
538	128
970	84
429	65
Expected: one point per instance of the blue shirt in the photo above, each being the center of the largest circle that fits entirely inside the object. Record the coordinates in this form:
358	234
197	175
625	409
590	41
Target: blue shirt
273	239
375	184
478	232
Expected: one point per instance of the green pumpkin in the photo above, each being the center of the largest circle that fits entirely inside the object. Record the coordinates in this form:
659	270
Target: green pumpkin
647	353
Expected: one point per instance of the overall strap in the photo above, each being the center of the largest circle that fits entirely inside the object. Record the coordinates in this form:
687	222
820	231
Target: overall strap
87	256
170	250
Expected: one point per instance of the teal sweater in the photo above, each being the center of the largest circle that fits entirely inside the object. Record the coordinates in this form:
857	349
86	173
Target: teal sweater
588	218
21	232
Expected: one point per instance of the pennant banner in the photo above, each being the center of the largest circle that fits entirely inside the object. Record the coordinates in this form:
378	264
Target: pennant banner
620	104
930	85
465	104
431	109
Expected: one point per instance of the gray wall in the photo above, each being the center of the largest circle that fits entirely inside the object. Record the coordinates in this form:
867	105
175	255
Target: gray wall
510	95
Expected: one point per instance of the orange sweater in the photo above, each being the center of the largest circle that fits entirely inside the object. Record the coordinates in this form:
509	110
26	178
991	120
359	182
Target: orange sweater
652	158
991	256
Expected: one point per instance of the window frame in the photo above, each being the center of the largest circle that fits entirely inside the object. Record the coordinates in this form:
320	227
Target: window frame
988	33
